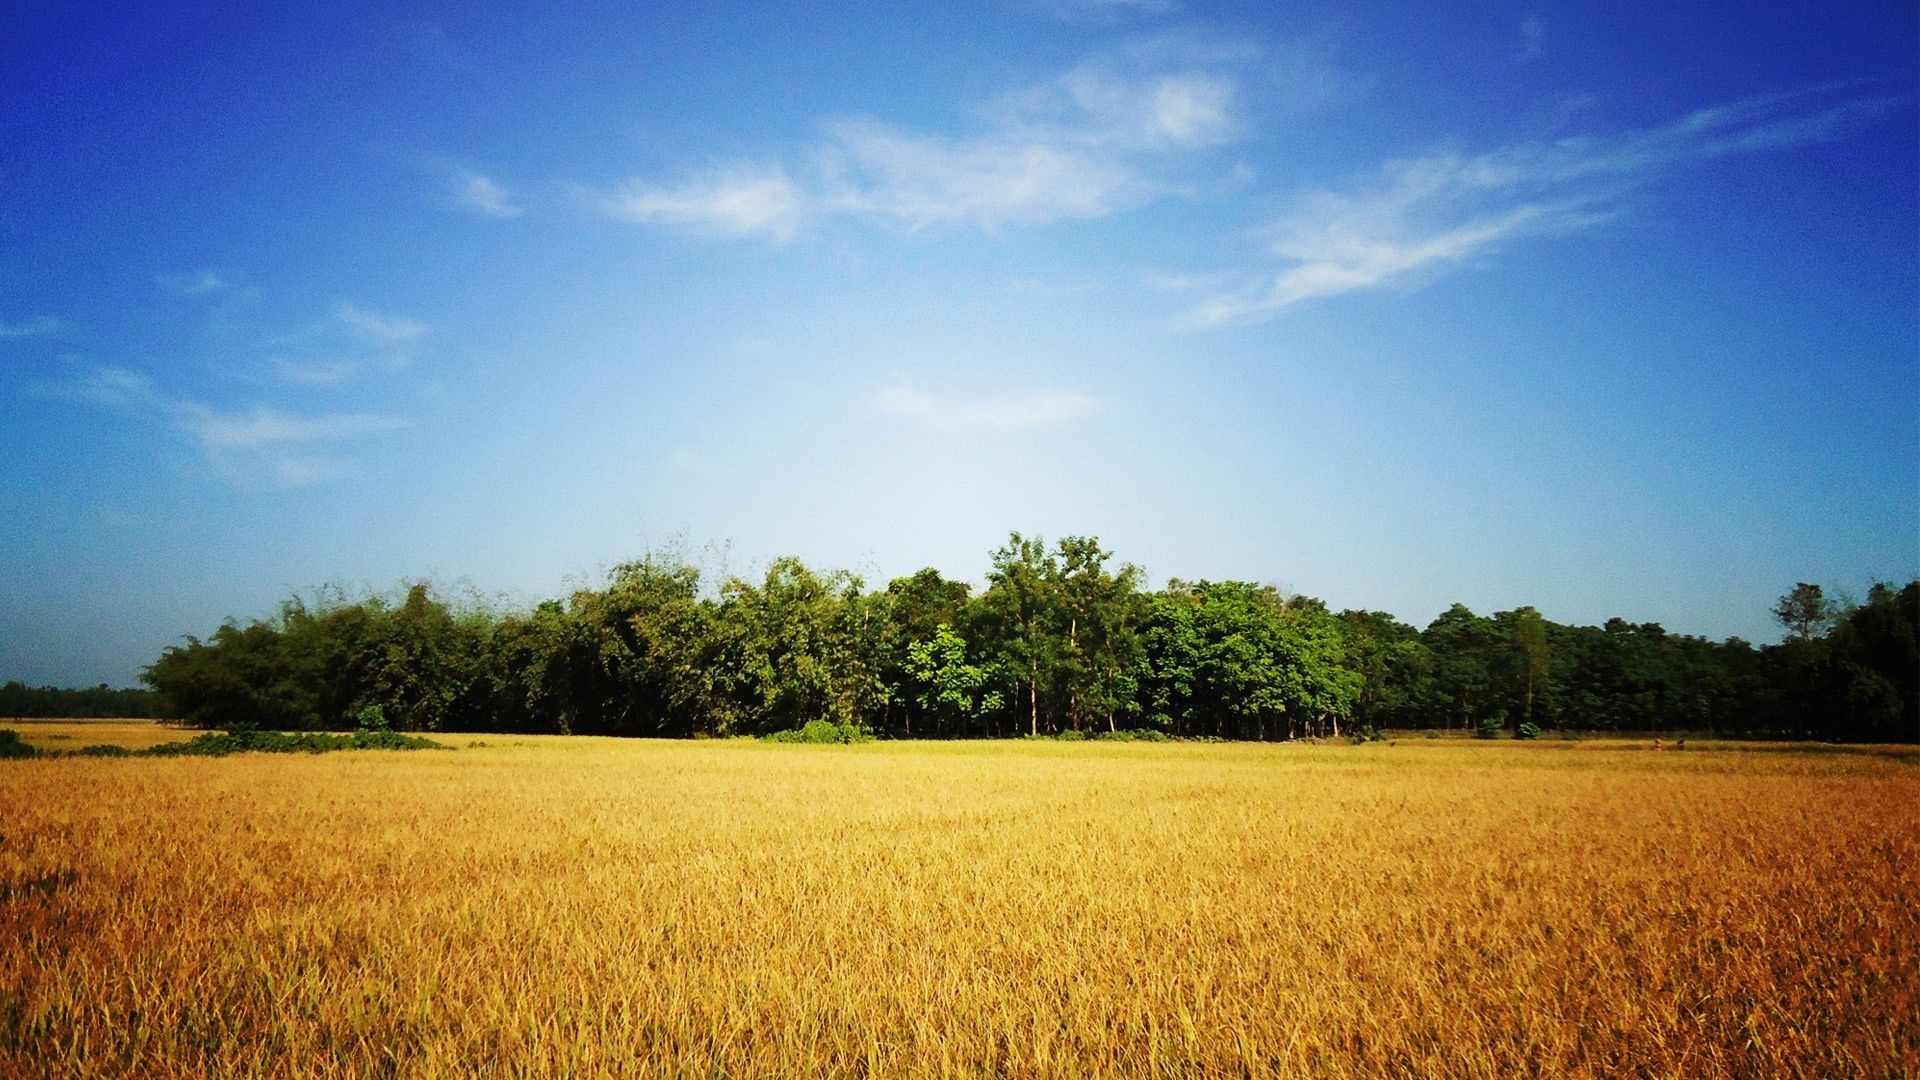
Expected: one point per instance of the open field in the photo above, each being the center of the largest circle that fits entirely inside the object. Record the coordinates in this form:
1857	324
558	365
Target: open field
74	734
543	906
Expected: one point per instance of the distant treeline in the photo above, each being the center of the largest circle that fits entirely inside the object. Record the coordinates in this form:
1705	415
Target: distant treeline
1060	640
17	699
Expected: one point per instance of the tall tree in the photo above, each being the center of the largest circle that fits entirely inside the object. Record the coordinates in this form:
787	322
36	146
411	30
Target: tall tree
1101	609
1804	611
1022	605
1527	662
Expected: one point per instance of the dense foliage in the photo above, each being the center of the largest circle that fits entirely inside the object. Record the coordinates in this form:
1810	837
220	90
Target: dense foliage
222	743
19	701
1060	641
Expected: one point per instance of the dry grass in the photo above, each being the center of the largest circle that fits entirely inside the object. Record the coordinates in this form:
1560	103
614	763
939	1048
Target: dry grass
543	907
74	734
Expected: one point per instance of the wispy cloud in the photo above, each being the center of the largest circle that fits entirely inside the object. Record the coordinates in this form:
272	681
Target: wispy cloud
313	372
732	202
335	350
483	196
1422	214
38	326
920	181
387	330
1016	409
1533	37
198	282
1106	136
250	445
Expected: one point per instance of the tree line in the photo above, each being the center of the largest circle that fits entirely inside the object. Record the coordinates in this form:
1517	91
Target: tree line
1061	640
20	701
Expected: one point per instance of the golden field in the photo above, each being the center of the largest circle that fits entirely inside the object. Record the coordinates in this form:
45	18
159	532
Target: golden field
70	735
549	907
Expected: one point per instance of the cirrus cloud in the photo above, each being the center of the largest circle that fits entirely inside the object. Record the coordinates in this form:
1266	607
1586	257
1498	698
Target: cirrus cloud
1109	135
1423	214
256	444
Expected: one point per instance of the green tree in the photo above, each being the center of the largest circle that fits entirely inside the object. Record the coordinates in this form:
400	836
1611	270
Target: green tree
948	688
1022	609
793	649
1805	612
1102	648
1526	663
1464	646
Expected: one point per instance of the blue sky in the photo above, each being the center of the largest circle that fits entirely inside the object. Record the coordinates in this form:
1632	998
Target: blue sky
1610	309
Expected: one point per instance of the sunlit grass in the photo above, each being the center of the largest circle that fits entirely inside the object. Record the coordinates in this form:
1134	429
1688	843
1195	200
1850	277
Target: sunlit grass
74	734
537	906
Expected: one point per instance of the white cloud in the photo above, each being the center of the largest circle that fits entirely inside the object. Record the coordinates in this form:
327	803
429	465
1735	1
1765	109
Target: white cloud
1105	137
1101	103
734	202
313	372
1017	409
1533	36
920	181
482	195
38	326
198	283
261	427
392	331
1429	212
250	445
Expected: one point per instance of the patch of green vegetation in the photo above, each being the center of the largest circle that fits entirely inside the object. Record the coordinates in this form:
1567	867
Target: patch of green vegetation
222	743
12	746
1134	735
820	732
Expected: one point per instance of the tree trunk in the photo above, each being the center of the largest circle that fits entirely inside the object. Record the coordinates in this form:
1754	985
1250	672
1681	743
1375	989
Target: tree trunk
1073	692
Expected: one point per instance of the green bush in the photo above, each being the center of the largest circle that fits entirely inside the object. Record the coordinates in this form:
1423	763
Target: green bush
1527	731
371	718
11	745
104	750
222	743
1134	735
1490	728
1071	735
820	732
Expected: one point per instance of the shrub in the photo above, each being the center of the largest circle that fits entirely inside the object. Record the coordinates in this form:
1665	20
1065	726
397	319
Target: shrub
820	732
370	718
368	739
1114	736
104	750
1071	735
1527	731
11	745
1490	728
222	743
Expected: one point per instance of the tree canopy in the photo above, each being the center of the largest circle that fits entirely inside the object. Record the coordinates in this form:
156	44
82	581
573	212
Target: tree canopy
1061	640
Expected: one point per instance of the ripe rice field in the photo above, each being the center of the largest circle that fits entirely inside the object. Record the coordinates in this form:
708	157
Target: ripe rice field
530	906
